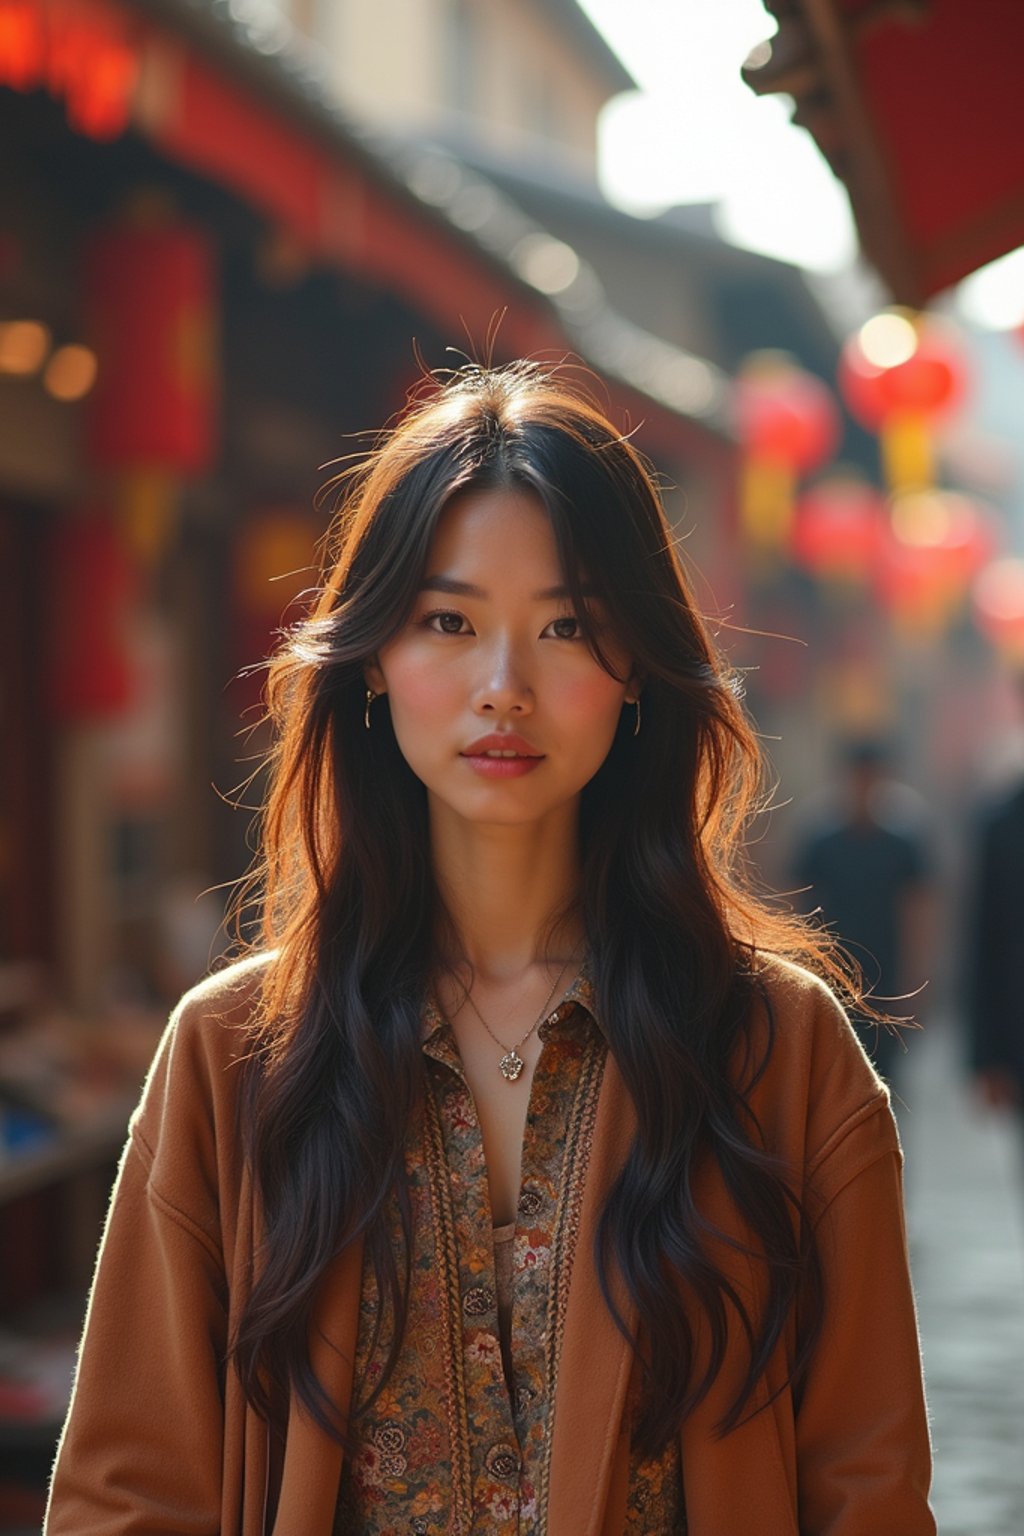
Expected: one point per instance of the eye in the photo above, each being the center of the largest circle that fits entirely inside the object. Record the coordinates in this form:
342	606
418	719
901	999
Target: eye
566	628
445	622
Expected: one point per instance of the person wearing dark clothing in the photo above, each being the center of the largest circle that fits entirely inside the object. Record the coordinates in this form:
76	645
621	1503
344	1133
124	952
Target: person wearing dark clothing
865	868
996	954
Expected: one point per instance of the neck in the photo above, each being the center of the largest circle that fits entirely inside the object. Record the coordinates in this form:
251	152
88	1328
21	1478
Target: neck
510	892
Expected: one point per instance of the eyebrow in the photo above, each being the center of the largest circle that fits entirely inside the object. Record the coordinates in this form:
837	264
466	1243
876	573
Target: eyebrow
456	588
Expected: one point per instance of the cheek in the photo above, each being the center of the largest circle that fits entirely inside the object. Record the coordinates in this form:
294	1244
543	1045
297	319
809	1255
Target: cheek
418	689
591	702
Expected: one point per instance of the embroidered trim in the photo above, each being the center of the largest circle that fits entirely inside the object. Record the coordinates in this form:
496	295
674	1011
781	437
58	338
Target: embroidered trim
579	1138
448	1263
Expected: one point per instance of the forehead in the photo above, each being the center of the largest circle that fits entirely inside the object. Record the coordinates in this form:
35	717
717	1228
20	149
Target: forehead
498	529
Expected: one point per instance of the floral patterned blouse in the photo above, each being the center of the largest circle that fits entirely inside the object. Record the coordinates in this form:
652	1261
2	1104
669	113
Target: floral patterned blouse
455	1444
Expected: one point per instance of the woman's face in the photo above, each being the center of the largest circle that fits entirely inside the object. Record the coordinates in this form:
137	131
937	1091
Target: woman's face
492	661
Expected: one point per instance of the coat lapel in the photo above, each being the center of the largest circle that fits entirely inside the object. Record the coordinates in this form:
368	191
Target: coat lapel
590	1450
595	1360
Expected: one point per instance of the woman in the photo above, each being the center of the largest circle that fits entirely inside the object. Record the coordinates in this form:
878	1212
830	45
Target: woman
519	1183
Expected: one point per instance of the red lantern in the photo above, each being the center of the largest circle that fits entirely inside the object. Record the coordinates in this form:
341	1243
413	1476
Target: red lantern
913	588
787	424
939	539
22	44
150	296
840	530
95	69
929	383
998	603
93	588
951	530
80	50
787	417
899	375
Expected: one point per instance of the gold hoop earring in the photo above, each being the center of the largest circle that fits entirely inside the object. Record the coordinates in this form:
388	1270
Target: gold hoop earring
370	696
636	728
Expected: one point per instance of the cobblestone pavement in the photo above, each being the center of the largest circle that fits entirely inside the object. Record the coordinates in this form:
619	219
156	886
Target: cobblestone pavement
965	1216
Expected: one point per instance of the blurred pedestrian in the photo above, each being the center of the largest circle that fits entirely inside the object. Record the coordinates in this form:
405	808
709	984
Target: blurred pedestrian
522	1180
864	866
995	957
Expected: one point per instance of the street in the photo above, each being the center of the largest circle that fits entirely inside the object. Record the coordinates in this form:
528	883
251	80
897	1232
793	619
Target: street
965	1214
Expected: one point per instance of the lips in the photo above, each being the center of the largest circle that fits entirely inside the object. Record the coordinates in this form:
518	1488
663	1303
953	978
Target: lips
509	745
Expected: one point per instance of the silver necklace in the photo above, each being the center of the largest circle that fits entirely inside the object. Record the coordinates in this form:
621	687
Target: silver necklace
512	1063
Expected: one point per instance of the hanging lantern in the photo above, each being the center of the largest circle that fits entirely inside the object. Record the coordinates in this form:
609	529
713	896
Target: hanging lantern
913	590
153	411
92	677
939	540
82	51
840	530
788	425
22	44
952	530
998	606
150	300
900	374
95	67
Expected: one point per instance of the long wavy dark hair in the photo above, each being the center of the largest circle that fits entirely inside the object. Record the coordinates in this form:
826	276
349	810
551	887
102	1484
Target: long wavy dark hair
351	913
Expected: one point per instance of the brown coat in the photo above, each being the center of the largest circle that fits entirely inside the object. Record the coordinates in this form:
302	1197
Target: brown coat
159	1438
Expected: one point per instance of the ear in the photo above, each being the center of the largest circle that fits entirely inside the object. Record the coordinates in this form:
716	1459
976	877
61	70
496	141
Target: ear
374	678
634	687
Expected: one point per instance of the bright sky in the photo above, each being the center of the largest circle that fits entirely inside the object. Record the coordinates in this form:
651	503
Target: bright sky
695	133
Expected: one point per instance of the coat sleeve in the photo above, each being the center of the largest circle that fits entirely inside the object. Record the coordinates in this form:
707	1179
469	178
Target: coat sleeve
863	1449
141	1450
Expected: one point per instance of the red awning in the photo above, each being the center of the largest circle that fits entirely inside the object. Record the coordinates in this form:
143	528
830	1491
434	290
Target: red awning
919	108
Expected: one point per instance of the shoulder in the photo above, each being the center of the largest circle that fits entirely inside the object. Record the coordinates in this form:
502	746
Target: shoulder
819	1099
211	1025
809	1032
803	1012
194	1083
227	998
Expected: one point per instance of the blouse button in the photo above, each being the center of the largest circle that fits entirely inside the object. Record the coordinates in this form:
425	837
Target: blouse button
478	1301
530	1202
502	1461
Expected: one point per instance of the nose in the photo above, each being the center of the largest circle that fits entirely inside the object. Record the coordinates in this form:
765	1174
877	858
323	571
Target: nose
503	687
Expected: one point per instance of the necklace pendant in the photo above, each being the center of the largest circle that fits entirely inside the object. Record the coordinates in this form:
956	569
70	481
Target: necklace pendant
511	1065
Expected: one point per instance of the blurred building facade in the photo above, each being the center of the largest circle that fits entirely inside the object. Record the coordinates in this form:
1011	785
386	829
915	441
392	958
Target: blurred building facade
528	80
